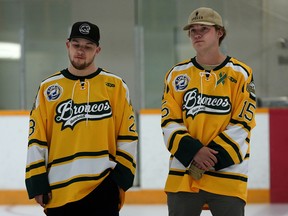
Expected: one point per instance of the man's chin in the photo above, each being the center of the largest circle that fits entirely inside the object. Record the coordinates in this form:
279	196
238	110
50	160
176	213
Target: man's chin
79	66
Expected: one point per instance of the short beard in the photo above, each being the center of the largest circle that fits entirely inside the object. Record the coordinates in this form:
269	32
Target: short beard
81	66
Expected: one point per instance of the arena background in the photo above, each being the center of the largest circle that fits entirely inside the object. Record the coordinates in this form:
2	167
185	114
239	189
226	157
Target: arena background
141	40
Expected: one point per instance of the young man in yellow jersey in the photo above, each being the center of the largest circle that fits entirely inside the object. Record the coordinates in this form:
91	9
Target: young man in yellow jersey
82	139
208	112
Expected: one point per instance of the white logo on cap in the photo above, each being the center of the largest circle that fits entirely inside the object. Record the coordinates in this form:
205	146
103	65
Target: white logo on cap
84	29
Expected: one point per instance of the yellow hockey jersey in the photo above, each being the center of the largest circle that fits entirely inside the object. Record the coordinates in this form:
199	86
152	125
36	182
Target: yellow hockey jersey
81	130
209	108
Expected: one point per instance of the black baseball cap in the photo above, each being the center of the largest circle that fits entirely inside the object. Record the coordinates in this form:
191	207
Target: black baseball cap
85	30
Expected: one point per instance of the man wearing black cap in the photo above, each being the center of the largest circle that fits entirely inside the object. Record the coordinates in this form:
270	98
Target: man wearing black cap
82	141
208	113
87	36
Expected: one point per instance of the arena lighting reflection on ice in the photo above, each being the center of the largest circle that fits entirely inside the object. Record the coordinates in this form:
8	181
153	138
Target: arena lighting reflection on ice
10	50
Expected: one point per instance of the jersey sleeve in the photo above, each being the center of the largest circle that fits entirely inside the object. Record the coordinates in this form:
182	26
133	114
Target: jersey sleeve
233	144
176	136
36	178
127	140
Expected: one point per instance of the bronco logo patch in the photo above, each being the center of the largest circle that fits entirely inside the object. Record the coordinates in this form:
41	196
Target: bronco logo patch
69	114
195	103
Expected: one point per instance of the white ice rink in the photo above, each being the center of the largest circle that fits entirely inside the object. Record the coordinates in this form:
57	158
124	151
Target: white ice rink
150	210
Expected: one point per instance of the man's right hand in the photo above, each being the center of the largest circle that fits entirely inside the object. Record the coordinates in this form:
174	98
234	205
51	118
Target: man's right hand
205	158
41	200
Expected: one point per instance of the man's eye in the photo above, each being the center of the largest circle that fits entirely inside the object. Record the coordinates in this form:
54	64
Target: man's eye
75	45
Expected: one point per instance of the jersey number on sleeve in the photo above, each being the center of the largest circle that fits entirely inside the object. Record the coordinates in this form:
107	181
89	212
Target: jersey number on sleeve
247	111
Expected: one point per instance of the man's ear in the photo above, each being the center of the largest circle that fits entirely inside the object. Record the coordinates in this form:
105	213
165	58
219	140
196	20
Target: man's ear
220	33
67	44
98	49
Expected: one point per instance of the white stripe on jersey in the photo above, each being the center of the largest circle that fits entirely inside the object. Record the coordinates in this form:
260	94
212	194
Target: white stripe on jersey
238	68
129	147
170	129
238	135
78	167
179	68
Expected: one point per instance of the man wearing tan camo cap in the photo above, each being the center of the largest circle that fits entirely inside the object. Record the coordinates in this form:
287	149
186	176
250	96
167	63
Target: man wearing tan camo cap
208	113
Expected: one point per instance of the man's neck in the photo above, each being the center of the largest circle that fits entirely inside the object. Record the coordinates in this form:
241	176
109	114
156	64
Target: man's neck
210	59
84	72
212	56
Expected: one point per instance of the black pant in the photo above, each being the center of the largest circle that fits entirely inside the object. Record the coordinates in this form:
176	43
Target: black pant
191	204
103	201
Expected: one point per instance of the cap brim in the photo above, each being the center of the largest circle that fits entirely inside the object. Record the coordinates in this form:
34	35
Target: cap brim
187	27
87	38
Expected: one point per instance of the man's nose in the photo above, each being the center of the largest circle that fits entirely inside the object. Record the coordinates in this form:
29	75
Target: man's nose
197	35
81	49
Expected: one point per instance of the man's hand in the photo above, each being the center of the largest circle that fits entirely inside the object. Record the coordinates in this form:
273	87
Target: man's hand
43	199
205	158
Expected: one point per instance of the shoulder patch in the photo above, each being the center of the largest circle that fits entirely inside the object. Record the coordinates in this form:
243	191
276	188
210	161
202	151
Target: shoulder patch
181	82
251	87
53	92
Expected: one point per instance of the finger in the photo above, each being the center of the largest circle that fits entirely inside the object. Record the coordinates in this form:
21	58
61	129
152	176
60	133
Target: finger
205	165
208	164
40	203
39	200
214	159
